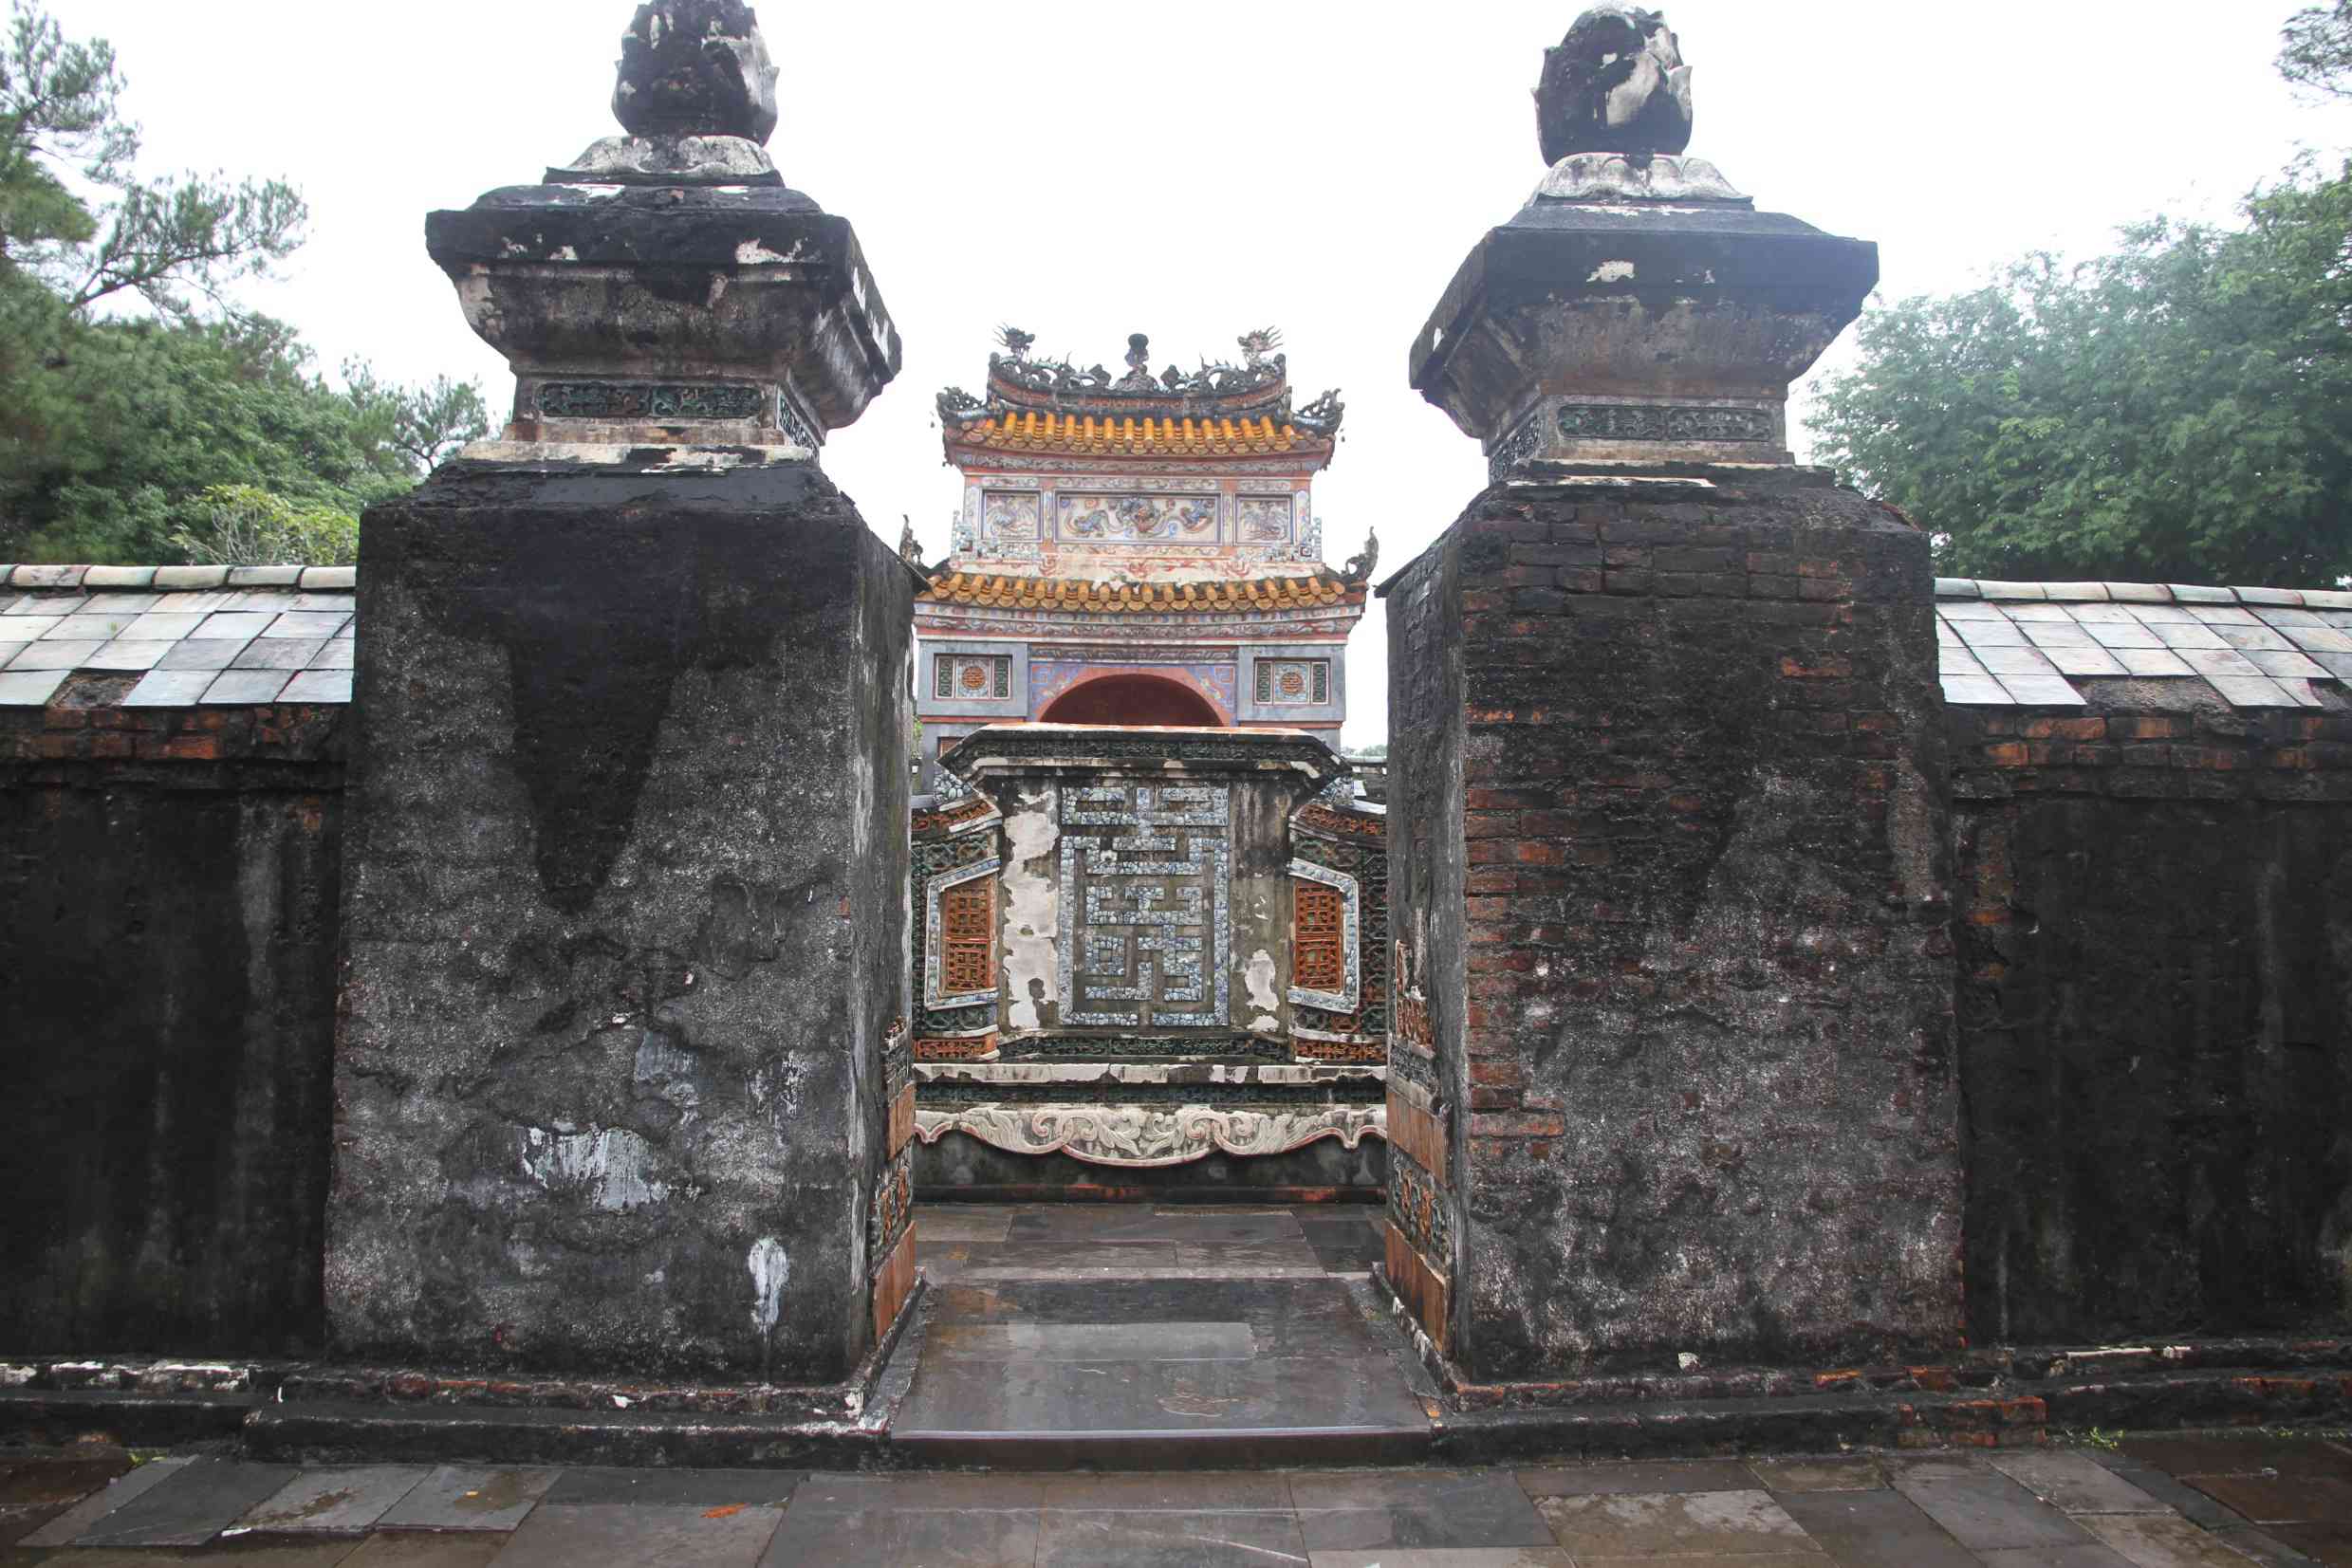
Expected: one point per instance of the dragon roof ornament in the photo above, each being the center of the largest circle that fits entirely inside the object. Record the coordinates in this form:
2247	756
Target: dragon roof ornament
1259	388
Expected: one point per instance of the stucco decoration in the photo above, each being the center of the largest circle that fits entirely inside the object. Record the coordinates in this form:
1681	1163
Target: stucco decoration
1617	84
1137	1137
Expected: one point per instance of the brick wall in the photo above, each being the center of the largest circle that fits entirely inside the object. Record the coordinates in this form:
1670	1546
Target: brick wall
168	880
2156	1016
1707	1066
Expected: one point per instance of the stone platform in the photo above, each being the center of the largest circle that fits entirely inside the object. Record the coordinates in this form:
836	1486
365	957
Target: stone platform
2158	1503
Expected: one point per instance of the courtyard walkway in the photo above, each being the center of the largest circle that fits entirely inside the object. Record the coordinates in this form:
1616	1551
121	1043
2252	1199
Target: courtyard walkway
1124	1339
2162	1503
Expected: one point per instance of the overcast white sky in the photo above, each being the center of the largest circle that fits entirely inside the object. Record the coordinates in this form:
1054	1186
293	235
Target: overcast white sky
1196	171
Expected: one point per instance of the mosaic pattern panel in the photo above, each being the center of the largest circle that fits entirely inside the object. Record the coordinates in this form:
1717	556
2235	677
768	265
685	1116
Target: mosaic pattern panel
966	677
1303	681
1146	875
1135	519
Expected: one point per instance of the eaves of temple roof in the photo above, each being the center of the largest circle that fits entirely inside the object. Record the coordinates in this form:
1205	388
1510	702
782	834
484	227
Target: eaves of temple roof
1264	594
1145	435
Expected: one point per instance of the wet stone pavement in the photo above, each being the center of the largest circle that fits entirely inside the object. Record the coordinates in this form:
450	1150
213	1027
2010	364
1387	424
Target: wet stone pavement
1115	1333
2158	1502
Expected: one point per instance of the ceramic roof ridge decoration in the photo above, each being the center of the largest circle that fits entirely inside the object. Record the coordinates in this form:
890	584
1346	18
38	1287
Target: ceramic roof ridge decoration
1257	388
988	590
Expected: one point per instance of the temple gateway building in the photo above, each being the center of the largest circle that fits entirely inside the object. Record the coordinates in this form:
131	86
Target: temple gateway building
1138	549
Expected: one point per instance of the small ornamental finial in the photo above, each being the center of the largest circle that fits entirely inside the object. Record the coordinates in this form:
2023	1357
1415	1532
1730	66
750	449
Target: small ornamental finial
1138	351
1617	84
1256	345
1361	567
695	68
1016	343
910	547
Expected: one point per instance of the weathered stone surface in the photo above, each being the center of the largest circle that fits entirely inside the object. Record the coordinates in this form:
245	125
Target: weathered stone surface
1668	863
1617	84
2155	1036
168	893
696	67
625	925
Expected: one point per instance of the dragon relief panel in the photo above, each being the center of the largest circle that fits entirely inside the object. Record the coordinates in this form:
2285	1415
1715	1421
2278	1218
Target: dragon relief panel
1105	518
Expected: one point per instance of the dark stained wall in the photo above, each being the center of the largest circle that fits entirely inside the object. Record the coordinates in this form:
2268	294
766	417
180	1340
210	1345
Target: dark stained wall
1713	1104
2155	1009
168	893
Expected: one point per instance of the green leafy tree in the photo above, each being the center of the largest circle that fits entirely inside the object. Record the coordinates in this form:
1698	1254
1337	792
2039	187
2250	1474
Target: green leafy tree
2178	411
121	428
245	526
2318	49
170	242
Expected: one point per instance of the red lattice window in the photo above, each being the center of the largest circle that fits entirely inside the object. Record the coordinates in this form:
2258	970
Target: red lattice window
967	934
1319	956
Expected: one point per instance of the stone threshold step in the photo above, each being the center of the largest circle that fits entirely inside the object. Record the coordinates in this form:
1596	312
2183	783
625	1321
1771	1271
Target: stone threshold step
338	1432
1232	1448
136	1420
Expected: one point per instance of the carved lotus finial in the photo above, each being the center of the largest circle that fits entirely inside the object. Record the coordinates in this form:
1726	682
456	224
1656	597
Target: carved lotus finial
1617	84
695	68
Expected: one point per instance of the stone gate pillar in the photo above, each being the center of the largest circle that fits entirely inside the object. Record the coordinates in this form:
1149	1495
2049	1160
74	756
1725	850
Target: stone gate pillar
1673	1069
620	1062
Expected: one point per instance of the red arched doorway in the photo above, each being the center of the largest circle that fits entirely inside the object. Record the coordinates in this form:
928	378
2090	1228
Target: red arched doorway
1132	699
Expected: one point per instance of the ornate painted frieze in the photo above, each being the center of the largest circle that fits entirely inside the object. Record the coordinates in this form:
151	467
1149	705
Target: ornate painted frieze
1663	422
1146	873
1137	1137
650	400
1110	519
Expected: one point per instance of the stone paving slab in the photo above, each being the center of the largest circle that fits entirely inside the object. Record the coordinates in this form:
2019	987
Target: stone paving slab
1654	1525
124	1491
471	1497
189	1507
330	1501
2074	1483
1862	1529
599	1485
1991	1513
1696	1475
572	1535
1845	1511
1416	1509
